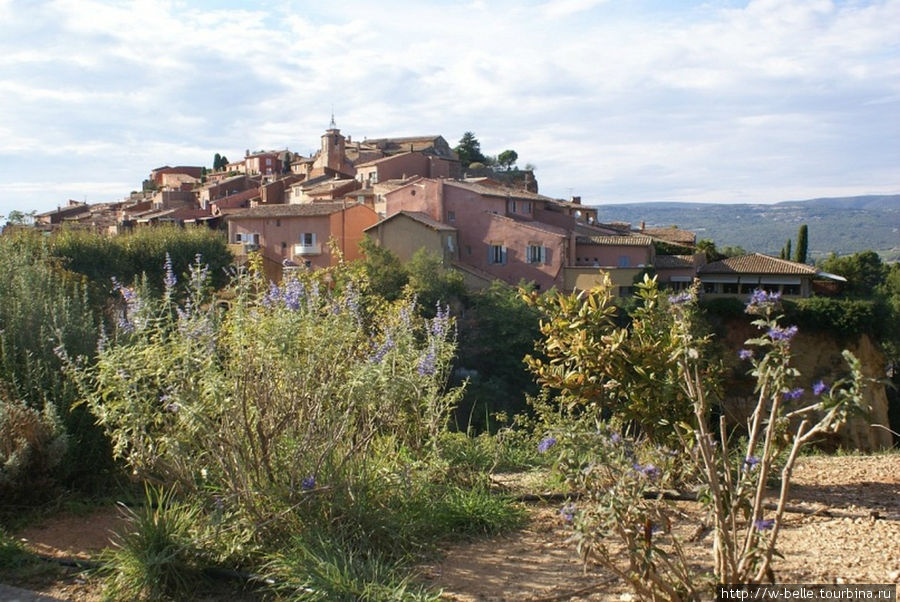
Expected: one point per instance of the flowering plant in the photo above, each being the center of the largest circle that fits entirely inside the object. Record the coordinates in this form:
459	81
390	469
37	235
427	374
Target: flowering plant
622	481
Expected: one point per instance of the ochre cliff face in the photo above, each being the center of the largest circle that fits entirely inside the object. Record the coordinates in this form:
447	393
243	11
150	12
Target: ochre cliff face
817	357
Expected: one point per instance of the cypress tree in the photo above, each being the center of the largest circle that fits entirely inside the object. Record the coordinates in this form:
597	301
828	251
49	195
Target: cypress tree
802	243
787	250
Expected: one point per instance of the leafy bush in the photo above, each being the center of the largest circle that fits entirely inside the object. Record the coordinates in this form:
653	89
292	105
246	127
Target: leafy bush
33	444
621	479
841	317
599	367
276	404
131	256
41	307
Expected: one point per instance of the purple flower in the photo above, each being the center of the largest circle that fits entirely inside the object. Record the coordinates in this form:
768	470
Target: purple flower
650	471
681	298
568	512
170	281
546	443
382	350
819	388
751	461
426	365
308	483
761	300
764	524
777	333
793	394
441	322
745	354
615	438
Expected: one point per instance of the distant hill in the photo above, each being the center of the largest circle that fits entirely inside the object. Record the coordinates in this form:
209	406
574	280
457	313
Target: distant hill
840	225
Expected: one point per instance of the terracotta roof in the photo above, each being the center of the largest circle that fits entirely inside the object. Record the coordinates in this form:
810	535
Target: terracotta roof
505	193
673	261
382	160
420	217
757	263
304	209
674	235
532	225
622	241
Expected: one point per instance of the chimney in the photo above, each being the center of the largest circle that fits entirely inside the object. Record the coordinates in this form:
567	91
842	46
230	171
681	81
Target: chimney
576	200
643	225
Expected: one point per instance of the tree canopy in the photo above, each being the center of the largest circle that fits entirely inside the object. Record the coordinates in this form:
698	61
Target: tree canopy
469	150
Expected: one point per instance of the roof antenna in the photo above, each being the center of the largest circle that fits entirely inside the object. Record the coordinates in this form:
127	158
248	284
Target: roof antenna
333	124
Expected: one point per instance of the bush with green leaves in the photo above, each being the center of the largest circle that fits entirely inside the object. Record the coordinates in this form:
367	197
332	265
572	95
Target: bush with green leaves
140	253
596	366
43	306
33	444
622	479
278	405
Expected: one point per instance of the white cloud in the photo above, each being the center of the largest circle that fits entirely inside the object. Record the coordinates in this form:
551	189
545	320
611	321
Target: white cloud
698	103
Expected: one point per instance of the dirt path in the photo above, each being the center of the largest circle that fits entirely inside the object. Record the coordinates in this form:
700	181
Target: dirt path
861	547
861	544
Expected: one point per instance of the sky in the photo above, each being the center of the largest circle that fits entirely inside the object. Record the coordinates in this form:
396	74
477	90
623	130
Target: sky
611	100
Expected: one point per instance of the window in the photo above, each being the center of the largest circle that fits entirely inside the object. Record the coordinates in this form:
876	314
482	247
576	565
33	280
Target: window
308	239
747	288
510	206
730	288
268	161
450	242
709	287
451	216
497	254
790	289
536	254
238	237
278	223
624	261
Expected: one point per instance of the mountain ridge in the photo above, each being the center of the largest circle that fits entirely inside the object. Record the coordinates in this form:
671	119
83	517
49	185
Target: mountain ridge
842	225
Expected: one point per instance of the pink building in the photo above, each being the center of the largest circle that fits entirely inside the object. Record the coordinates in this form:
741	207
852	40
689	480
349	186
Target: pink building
301	233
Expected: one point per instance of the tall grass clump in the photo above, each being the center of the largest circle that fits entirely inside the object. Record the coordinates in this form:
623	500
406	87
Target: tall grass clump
291	410
620	458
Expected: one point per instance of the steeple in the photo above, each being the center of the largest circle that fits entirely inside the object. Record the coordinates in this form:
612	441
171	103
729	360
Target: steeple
332	125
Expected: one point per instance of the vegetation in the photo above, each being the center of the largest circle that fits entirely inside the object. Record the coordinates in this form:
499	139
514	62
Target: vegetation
843	226
619	472
469	150
303	426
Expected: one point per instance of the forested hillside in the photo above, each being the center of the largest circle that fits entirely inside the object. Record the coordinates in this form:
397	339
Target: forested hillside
839	225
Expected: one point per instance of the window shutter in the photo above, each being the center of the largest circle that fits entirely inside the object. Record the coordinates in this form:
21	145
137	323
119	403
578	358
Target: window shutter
547	256
503	255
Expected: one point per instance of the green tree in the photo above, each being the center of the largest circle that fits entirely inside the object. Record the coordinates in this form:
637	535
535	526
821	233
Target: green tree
384	271
787	249
432	282
469	150
802	244
864	271
496	330
507	159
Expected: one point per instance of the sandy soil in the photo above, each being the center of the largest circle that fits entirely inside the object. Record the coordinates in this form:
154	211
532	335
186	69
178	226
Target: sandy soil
858	543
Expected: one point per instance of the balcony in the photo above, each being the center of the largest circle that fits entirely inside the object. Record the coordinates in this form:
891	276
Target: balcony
305	250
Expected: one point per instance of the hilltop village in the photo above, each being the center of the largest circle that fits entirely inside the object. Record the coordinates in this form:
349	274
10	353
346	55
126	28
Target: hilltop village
411	193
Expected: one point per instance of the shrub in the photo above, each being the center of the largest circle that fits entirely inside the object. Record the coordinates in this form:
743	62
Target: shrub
276	404
41	307
621	480
599	367
33	443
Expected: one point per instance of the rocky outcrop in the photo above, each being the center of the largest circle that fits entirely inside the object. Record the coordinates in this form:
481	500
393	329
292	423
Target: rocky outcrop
818	357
